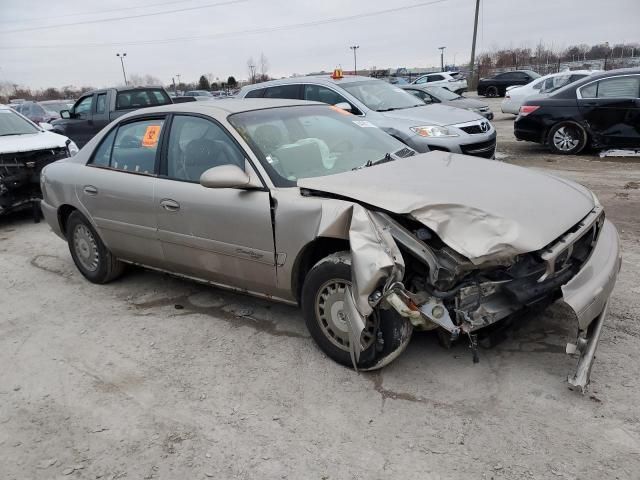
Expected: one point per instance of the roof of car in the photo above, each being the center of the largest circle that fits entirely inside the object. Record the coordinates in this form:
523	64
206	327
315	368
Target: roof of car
310	79
231	105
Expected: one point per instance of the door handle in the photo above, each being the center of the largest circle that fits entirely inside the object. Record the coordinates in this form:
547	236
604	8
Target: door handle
170	205
90	190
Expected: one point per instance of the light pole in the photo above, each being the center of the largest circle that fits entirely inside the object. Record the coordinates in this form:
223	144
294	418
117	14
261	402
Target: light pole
355	63
441	58
122	55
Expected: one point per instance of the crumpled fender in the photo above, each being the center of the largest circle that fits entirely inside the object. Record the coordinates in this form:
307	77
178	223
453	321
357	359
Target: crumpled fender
376	264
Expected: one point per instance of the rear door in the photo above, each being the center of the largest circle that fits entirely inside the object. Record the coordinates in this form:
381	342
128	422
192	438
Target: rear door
224	235
117	188
611	107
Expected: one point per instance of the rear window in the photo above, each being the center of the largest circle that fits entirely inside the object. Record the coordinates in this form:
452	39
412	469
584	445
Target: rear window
140	98
255	93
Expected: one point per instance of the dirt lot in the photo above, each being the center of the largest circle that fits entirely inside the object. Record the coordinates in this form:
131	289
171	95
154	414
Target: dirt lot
154	377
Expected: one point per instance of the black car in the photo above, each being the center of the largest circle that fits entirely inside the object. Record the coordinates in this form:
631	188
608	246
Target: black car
94	110
496	86
599	111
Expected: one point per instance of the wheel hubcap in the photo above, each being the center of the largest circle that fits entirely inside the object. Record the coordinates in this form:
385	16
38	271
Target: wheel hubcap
331	316
565	140
86	248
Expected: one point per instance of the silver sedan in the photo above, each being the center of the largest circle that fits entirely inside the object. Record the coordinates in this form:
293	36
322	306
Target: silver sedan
304	203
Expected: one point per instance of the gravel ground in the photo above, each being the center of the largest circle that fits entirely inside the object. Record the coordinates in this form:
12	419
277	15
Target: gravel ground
155	377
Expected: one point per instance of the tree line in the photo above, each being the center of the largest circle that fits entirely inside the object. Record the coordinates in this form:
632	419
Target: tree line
542	54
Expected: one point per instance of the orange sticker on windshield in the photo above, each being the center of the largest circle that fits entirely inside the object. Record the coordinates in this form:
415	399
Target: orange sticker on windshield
151	136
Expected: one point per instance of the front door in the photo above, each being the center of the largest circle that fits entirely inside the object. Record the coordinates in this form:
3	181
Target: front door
80	126
117	189
611	108
224	235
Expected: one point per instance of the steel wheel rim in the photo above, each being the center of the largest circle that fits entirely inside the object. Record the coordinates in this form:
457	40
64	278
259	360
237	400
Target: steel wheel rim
86	248
563	140
329	305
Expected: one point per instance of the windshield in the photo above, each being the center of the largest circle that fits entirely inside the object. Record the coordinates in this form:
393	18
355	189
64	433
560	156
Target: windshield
532	74
311	141
442	93
381	96
559	82
13	124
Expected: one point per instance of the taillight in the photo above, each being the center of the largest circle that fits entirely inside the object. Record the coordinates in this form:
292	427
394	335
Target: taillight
527	109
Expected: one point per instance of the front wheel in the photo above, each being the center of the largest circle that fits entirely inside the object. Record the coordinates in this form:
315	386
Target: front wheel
323	299
94	260
567	139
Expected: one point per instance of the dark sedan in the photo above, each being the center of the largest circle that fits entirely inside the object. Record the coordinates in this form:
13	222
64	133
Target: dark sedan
600	111
496	86
442	95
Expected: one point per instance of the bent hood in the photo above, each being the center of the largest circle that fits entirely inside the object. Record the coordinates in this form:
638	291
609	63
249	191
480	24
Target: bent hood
483	209
441	115
31	141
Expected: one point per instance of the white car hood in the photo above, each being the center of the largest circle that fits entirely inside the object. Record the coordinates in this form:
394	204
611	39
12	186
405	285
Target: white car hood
31	141
483	209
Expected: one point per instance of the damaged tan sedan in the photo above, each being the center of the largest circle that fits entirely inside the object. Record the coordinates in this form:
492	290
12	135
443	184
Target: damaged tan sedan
307	204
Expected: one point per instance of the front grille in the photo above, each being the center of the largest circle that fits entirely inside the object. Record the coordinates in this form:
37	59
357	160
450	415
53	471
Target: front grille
472	129
481	149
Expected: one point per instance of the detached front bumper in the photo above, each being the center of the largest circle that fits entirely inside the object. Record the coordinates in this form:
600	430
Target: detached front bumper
587	293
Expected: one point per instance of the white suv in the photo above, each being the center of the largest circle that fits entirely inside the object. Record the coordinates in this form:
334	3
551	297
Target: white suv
453	81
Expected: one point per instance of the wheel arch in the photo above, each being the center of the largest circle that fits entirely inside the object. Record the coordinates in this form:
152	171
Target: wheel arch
311	254
64	212
580	125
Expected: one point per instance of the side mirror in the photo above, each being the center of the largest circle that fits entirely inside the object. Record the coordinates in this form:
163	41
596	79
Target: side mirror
65	114
343	106
227	176
45	126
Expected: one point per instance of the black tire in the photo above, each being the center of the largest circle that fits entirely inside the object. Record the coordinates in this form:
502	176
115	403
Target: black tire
385	323
566	138
82	238
491	91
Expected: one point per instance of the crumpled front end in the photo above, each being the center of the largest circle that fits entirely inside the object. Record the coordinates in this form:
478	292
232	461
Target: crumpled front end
399	265
20	174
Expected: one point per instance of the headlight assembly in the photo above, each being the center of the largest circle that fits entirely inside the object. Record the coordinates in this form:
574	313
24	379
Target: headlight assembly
433	131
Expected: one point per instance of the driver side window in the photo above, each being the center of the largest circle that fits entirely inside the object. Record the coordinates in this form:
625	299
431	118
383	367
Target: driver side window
196	145
83	107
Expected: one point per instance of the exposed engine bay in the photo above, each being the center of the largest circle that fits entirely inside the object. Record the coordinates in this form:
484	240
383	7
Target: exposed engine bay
20	176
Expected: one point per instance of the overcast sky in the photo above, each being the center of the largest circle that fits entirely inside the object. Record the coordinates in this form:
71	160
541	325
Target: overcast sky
76	53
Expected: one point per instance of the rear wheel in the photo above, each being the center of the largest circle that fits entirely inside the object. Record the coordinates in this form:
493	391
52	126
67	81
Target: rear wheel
96	263
492	91
567	139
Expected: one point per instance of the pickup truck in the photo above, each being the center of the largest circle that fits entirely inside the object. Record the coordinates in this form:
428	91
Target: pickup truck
95	110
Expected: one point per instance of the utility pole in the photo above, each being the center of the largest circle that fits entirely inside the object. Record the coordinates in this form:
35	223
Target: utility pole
441	58
122	63
355	63
472	64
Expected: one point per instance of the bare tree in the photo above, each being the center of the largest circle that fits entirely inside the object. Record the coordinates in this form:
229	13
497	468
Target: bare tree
251	65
